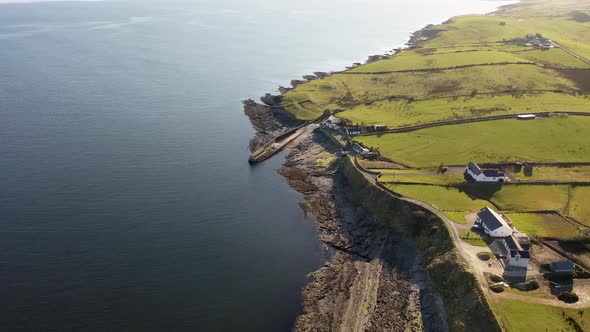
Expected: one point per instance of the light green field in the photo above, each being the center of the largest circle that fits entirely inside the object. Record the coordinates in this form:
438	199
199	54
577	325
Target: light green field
344	91
531	197
543	225
409	60
551	173
554	57
458	217
419	176
580	205
547	140
456	82
444	198
520	316
400	113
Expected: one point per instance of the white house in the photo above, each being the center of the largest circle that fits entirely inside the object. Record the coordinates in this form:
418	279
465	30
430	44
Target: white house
484	175
333	123
516	255
359	149
493	224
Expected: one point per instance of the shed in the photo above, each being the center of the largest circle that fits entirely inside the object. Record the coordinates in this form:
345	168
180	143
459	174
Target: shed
566	268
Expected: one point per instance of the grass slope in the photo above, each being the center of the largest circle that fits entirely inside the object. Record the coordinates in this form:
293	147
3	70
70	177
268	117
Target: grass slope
450	199
579	207
400	113
548	140
543	225
517	315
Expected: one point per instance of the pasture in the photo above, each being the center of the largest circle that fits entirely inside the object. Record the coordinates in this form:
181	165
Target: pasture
541	140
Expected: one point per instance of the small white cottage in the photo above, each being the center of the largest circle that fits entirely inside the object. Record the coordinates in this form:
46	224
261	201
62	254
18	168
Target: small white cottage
484	175
333	123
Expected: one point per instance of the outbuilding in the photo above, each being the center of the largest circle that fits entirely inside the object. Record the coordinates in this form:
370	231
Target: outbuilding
564	269
333	123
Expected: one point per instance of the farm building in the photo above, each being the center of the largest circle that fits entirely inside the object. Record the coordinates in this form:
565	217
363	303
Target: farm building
359	149
351	131
379	127
516	255
523	240
493	224
564	269
484	175
333	123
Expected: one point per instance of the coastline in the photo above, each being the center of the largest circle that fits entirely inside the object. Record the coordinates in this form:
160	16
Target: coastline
373	279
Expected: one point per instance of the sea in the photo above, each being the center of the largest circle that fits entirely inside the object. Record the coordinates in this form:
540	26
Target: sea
126	199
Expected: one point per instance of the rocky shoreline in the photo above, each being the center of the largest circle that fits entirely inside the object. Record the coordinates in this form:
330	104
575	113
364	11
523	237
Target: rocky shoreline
372	281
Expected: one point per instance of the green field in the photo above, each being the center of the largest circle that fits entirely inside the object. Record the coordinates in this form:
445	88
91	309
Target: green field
344	91
411	60
519	316
400	113
543	225
580	205
419	176
458	217
531	197
449	199
547	140
552	173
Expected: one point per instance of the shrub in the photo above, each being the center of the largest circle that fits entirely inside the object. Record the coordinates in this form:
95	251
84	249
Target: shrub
531	285
568	297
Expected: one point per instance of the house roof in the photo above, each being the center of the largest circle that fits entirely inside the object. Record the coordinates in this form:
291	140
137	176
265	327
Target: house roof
491	219
522	238
511	243
333	119
522	253
492	173
562	266
474	168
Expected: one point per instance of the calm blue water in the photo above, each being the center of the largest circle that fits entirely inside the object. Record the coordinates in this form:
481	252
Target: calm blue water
126	199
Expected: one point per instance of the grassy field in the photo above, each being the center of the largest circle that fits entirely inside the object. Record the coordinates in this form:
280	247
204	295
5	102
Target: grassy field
517	315
551	173
489	142
412	60
579	207
344	91
419	176
531	197
555	57
449	199
543	225
458	217
400	113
